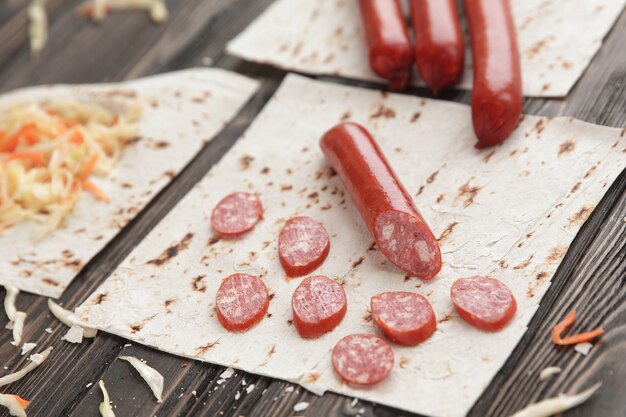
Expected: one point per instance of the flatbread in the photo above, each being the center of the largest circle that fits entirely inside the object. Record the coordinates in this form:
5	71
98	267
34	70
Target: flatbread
182	111
556	41
510	212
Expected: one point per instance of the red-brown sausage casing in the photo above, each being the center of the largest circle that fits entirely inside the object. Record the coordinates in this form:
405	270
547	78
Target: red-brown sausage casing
497	90
398	228
387	37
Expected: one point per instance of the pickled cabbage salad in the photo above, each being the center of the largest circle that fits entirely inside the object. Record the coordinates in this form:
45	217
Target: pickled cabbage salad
49	154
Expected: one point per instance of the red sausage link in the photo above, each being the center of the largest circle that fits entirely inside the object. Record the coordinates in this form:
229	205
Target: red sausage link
241	302
318	304
362	359
404	317
398	228
236	214
439	48
483	302
497	89
303	245
387	37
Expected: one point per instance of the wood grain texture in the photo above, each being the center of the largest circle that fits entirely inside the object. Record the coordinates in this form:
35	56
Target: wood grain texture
591	278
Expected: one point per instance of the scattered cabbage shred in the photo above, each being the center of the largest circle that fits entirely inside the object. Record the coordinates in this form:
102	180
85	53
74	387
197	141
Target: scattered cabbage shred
38	28
105	405
556	405
548	372
35	360
152	377
98	9
16	318
48	153
77	330
13	403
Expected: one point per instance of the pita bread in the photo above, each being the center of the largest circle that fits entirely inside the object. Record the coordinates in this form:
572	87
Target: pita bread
510	212
181	112
556	42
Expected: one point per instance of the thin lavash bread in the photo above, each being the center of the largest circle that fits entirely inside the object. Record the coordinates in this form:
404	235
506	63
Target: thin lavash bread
556	41
510	212
181	112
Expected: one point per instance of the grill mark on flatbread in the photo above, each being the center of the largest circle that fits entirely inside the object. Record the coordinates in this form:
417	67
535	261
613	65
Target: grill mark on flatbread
172	251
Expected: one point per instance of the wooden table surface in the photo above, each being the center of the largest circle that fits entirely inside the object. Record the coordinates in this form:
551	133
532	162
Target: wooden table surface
591	278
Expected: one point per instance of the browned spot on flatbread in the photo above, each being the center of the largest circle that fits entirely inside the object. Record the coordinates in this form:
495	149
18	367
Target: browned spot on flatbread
566	147
100	298
468	193
327	206
432	177
297	48
132	141
290	322
367	317
404	361
314	196
383	111
167	303
503	264
446	317
440	198
121	93
421	190
540	126
575	187
212	240
347	115
415	116
524	265
487	157
541	276
172	251
245	161
286	187
201	350
51	282
265	170
198	284
556	254
447	231
310	377
161	144
270	352
590	171
537	47
372	247
580	216
67	253
358	262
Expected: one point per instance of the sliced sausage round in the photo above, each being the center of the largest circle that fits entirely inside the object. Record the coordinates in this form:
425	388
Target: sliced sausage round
241	302
303	245
483	302
318	304
404	317
235	214
362	359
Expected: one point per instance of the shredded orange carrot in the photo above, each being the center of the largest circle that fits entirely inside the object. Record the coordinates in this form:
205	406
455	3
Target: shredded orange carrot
88	169
22	402
28	133
115	121
97	192
575	339
37	157
9	143
77	137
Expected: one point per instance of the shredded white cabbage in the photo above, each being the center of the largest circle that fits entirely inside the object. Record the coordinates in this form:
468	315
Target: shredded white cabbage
583	348
557	405
105	405
16	318
152	377
98	9
27	347
48	152
13	404
38	27
548	372
35	360
70	320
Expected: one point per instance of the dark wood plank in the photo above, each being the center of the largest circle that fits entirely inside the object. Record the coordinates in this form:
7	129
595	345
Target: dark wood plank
590	278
